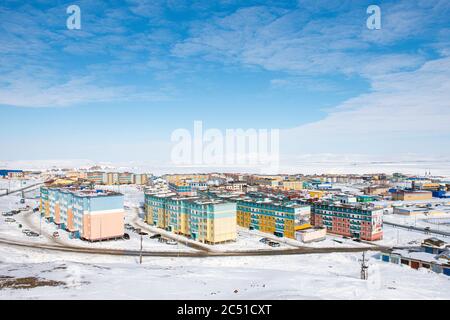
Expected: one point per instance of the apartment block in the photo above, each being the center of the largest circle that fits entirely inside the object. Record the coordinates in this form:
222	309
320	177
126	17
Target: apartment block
280	219
362	222
202	219
87	214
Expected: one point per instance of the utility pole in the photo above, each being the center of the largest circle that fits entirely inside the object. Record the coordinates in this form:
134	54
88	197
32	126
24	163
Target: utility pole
140	253
364	267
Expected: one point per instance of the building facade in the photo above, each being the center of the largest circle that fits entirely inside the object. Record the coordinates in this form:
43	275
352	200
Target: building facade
404	195
202	219
349	220
87	214
280	219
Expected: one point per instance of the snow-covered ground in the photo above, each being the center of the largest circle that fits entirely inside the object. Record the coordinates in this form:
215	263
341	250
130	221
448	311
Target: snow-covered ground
330	276
63	275
438	221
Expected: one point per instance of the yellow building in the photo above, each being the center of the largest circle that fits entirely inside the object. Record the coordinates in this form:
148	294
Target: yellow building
291	185
205	220
280	219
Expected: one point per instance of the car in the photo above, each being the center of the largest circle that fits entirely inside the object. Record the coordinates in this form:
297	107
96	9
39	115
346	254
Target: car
273	244
172	242
162	240
356	239
264	240
33	234
155	236
26	230
10	220
126	236
55	234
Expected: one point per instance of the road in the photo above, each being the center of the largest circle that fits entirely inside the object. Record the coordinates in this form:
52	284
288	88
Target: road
22	189
430	231
265	252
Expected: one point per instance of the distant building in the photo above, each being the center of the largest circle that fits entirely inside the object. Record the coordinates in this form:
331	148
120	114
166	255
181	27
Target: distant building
11	173
115	178
87	214
376	190
349	220
365	198
345	198
410	195
291	185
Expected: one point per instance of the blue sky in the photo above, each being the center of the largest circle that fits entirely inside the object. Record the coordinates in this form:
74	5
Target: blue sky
137	70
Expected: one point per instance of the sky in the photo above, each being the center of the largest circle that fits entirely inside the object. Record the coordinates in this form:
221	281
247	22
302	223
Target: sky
137	70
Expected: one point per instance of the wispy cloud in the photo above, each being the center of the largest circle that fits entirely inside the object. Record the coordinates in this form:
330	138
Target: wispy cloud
404	113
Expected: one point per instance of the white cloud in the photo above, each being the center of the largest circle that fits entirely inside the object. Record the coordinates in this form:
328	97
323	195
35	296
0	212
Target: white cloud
405	112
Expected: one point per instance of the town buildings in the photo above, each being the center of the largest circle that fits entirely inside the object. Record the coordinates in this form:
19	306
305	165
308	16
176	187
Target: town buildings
116	178
433	255
87	214
11	173
203	219
359	221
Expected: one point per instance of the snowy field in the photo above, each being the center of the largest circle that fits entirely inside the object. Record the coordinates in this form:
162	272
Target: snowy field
438	221
330	276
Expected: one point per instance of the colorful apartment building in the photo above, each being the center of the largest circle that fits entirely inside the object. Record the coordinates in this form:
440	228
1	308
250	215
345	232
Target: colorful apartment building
280	219
202	219
187	187
87	214
357	221
291	185
114	178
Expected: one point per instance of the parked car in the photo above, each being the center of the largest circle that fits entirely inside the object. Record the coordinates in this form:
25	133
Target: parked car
155	236
26	230
10	220
162	240
172	242
126	236
33	234
55	234
274	244
264	240
356	239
